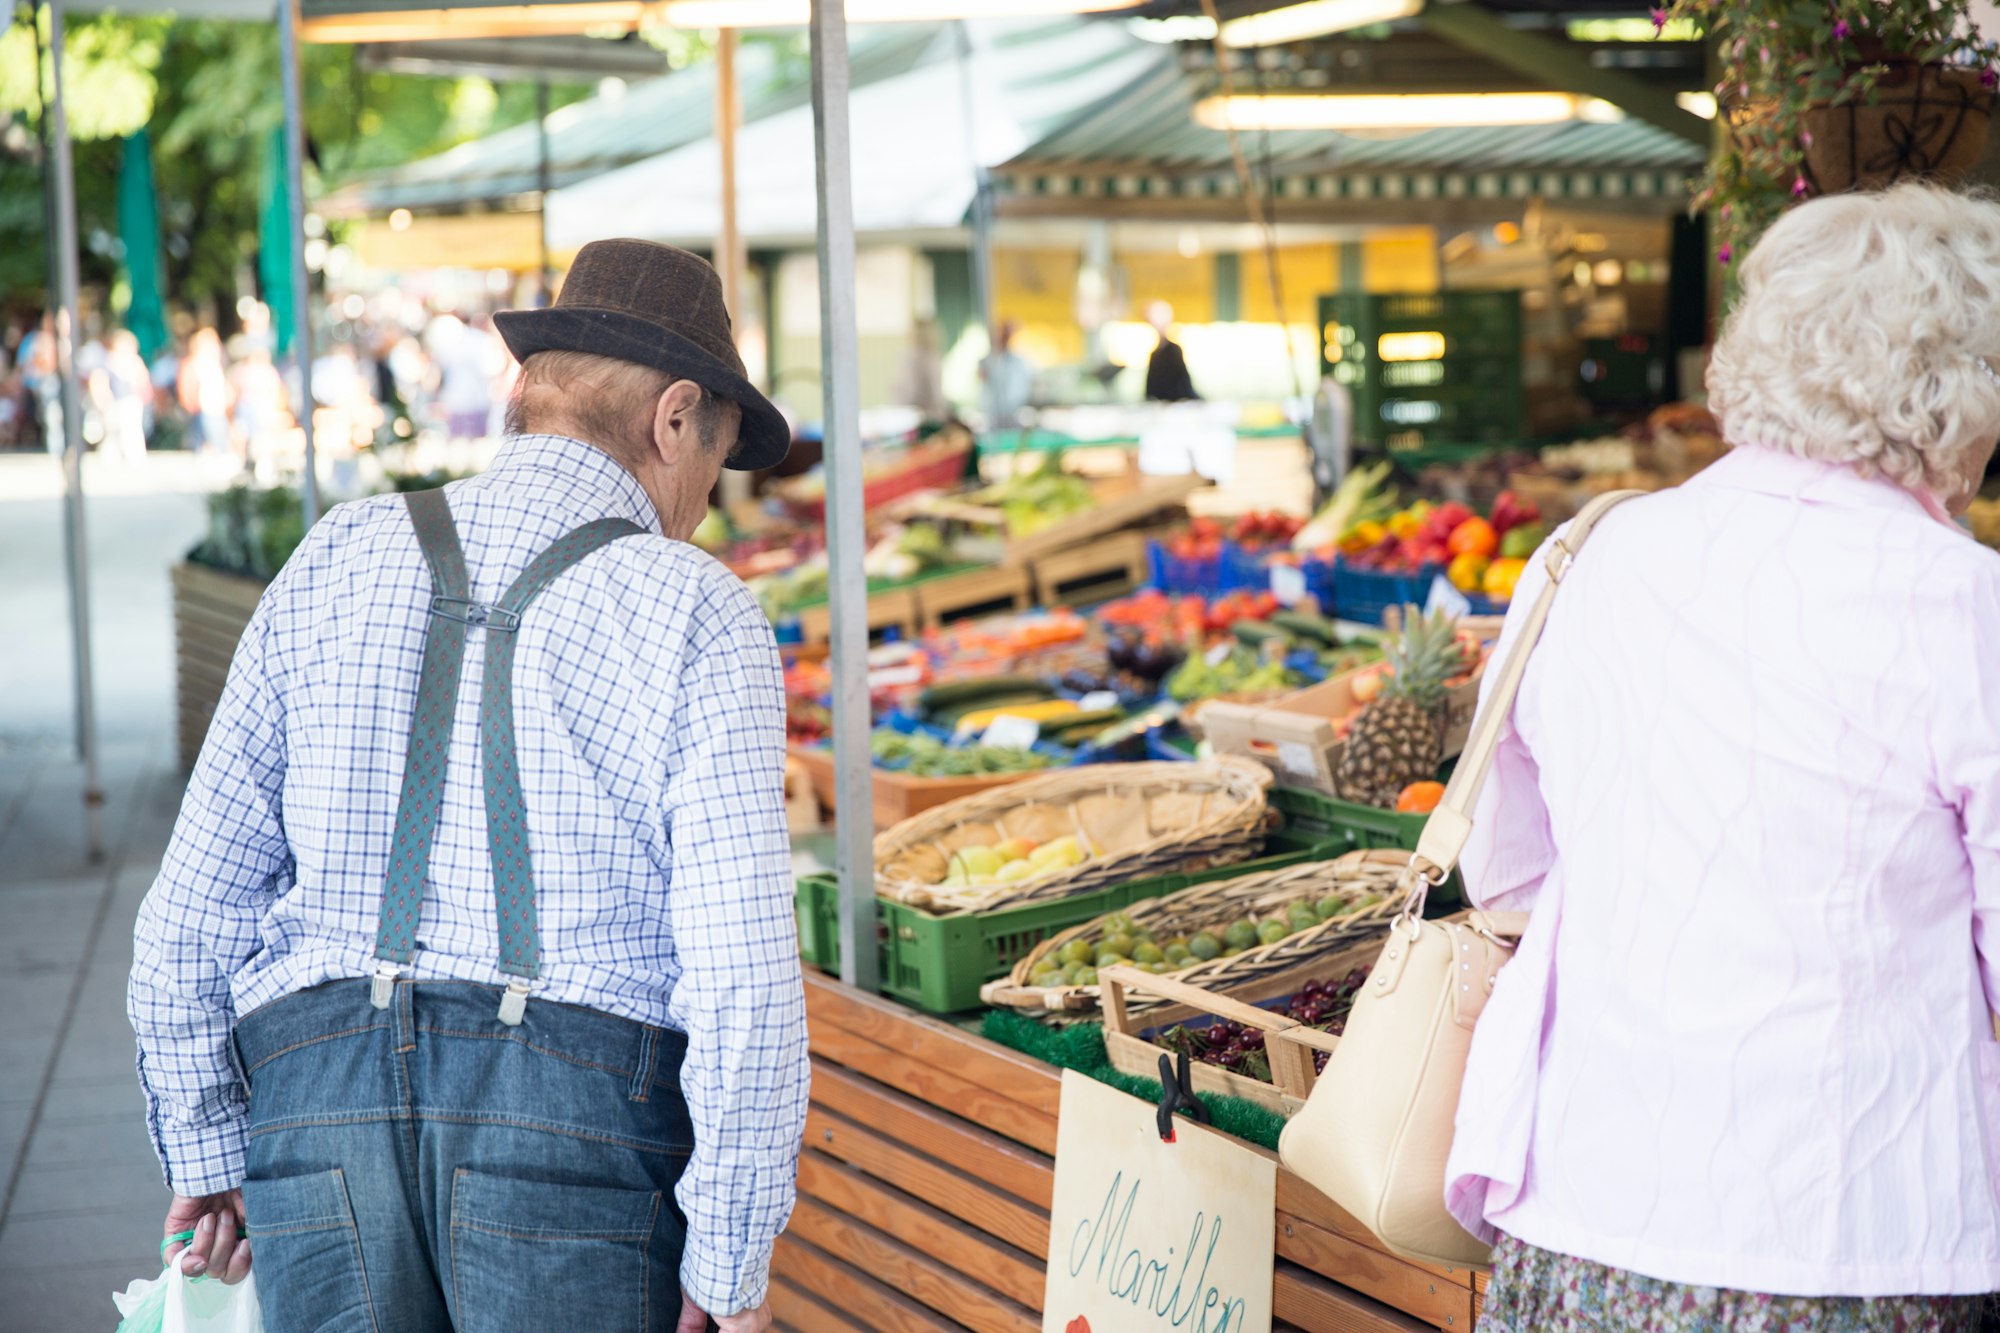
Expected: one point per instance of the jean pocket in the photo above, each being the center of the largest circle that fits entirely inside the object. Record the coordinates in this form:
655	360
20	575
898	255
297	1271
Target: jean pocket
307	1254
540	1254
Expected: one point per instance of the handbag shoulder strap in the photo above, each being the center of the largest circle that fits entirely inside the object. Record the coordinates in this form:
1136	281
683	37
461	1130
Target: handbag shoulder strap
1450	825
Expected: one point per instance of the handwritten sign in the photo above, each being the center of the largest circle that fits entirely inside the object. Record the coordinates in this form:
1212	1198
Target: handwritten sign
1152	1237
1008	732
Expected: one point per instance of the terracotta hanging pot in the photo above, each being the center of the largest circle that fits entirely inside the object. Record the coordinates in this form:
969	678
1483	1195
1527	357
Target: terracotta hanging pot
1928	121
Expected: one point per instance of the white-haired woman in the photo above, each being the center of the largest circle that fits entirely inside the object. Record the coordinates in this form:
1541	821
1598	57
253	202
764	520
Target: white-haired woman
1740	1074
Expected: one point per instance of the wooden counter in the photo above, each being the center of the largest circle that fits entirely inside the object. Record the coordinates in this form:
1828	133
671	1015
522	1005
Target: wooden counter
925	1184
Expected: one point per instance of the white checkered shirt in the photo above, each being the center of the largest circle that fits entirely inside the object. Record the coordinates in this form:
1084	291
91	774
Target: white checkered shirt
649	716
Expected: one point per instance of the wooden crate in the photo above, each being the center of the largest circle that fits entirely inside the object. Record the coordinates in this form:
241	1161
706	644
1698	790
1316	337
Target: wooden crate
1291	1061
895	609
925	1185
1117	502
968	596
1112	567
211	609
897	795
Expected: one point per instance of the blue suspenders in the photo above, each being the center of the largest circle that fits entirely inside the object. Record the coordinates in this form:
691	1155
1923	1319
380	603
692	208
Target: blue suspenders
453	612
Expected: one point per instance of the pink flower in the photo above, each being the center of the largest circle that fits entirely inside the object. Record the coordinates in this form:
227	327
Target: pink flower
1659	17
1989	80
1805	138
1722	256
1841	30
1800	189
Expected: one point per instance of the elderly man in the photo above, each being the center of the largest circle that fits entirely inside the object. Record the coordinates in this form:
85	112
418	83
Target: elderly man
470	983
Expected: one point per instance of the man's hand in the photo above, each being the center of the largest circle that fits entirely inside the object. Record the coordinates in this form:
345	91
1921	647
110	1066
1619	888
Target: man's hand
694	1319
215	1220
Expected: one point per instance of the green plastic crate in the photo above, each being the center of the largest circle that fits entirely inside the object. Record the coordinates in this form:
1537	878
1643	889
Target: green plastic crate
1352	827
938	963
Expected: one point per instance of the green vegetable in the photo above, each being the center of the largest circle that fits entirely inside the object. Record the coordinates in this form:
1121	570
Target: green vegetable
1359	496
926	757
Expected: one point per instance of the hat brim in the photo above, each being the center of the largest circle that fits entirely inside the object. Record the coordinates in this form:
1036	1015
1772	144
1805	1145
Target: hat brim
764	439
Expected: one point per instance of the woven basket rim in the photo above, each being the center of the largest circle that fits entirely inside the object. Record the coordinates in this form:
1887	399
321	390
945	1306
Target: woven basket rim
1013	992
1241	778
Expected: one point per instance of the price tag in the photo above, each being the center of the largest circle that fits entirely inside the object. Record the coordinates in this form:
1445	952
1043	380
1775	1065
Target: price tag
1446	598
1298	759
1221	652
1097	701
1288	584
1008	732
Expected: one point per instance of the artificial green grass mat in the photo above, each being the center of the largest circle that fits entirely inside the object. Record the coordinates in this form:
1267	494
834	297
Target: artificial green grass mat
1080	1046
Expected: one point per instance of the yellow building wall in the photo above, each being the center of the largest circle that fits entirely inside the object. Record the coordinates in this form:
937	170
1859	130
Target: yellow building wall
1305	273
1037	290
1401	260
1188	285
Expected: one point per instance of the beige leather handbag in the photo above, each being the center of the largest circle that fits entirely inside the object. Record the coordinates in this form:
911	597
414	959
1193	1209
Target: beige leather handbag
1377	1128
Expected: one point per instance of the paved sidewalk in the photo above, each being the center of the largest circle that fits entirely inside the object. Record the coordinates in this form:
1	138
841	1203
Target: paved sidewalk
80	1194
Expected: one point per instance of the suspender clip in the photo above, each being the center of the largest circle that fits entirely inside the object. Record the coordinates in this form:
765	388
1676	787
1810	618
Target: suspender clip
385	983
478	615
514	1004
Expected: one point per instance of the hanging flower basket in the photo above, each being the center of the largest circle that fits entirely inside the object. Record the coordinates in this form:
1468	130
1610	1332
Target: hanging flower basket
1928	121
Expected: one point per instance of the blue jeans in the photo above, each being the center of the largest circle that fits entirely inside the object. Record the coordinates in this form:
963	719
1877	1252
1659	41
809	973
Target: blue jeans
425	1168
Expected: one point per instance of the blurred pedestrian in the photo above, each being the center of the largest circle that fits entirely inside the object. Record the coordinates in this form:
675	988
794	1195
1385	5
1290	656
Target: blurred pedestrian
203	392
1167	378
1009	380
920	384
468	360
123	391
259	391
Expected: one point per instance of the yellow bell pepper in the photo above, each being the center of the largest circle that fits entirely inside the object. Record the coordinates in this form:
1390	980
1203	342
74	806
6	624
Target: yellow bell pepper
1501	576
1466	571
1407	523
1362	536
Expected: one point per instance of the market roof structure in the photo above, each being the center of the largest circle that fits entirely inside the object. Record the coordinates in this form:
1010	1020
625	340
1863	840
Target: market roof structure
920	138
613	129
1139	153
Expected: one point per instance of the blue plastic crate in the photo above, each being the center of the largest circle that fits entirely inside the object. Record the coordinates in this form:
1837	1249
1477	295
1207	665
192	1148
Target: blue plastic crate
1363	595
1233	569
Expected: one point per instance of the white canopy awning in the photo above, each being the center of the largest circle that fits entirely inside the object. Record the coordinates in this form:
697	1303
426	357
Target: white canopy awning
913	165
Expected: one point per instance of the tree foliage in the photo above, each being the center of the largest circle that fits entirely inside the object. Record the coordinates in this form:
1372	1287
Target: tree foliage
210	93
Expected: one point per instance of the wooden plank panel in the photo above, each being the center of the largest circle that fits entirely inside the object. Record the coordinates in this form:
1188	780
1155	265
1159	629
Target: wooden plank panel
1310	1301
210	585
876	1307
970	1147
798	1311
935	1284
1302	1201
1027	1081
927	1082
996	1214
218	622
922	1227
1433	1299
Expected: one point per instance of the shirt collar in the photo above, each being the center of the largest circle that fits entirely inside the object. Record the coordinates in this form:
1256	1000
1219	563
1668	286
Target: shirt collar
1787	475
585	467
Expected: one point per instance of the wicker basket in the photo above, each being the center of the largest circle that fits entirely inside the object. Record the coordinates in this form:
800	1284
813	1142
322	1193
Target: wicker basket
1133	820
1376	871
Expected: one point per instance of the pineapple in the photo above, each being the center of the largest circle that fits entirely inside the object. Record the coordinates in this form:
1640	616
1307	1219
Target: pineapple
1398	738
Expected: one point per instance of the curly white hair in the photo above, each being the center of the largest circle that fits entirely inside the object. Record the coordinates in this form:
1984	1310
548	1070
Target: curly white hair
1862	336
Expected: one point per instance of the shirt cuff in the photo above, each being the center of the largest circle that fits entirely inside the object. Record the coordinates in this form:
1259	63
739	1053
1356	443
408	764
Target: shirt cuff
722	1283
200	1160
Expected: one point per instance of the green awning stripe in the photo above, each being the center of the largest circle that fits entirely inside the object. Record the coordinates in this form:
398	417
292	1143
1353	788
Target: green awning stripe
1406	185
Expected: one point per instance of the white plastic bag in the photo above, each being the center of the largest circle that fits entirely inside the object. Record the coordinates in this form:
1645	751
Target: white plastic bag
173	1302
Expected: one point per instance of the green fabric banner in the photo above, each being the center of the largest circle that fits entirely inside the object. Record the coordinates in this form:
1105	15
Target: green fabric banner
139	229
275	242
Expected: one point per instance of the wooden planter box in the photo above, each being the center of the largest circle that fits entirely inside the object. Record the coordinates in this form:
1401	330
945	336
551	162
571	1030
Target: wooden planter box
971	595
925	1184
211	609
1113	567
897	795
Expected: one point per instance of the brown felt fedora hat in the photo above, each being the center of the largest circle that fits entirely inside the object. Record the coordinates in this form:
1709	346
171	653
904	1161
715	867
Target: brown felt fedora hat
653	305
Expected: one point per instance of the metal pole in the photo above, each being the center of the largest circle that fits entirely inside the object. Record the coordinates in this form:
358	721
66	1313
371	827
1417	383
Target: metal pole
982	185
846	523
729	257
542	189
67	322
295	199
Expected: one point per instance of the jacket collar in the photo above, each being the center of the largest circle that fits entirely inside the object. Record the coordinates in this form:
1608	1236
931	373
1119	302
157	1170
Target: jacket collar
585	470
1788	476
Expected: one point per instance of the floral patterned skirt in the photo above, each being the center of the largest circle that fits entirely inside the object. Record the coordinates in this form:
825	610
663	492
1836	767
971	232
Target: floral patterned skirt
1538	1291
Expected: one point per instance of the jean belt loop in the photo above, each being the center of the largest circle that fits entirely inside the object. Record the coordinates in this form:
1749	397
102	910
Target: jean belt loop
649	1053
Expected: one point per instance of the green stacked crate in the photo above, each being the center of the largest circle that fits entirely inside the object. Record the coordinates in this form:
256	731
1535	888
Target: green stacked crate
1428	369
938	963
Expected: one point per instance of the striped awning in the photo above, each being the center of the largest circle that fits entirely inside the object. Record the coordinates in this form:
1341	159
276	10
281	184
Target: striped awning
1667	187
